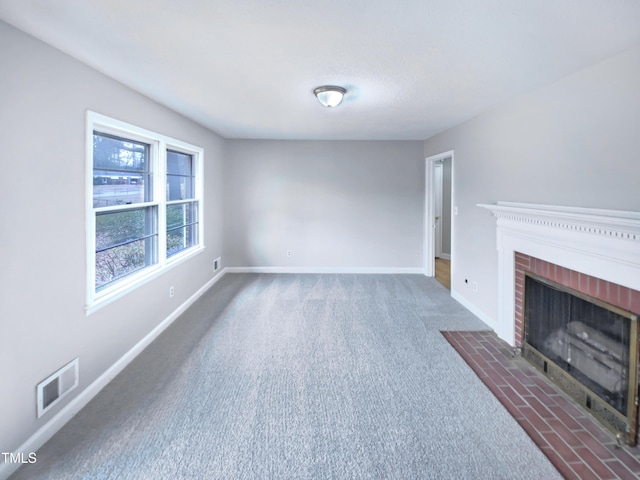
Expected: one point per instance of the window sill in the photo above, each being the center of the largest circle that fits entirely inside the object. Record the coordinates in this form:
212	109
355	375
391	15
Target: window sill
140	278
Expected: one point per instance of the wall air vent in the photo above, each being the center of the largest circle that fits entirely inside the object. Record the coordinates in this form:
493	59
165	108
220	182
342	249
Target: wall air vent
55	387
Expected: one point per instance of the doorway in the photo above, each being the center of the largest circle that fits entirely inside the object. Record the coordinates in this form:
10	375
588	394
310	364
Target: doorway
438	217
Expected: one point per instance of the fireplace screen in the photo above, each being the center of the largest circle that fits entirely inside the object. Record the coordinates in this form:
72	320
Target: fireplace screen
586	339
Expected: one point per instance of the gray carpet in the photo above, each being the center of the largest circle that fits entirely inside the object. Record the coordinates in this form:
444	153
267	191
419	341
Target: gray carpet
300	377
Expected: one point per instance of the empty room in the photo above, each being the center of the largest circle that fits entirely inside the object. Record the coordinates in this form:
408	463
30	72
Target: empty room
331	240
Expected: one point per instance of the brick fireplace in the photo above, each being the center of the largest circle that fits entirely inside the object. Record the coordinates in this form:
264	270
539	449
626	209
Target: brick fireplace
609	292
592	252
596	250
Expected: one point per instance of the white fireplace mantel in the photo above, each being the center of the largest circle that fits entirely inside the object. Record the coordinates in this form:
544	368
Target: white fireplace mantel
601	243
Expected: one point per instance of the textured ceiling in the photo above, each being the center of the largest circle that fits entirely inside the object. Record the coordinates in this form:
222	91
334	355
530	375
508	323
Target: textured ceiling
413	68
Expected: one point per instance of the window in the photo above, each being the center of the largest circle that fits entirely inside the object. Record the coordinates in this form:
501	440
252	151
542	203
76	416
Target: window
144	206
182	208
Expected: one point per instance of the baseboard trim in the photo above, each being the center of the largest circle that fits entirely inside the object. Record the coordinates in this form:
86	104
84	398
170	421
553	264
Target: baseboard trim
491	323
360	270
445	256
49	429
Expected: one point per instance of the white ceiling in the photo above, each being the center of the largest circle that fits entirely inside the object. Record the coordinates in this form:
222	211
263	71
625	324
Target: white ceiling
413	68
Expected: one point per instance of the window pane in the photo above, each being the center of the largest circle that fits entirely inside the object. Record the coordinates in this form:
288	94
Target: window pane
118	262
120	171
181	239
180	176
119	227
113	153
179	188
115	188
179	163
125	242
182	227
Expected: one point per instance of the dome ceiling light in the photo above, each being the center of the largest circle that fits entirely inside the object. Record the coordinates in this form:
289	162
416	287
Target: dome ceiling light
329	95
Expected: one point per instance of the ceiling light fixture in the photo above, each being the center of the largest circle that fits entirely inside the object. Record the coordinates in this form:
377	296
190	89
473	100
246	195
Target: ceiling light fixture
329	95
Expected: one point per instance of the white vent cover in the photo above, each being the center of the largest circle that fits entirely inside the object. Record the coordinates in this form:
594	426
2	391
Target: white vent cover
54	388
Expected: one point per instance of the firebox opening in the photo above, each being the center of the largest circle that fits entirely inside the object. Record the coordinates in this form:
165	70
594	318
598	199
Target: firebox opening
586	346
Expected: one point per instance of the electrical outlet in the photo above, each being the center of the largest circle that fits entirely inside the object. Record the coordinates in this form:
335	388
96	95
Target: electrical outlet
288	253
216	264
171	292
475	286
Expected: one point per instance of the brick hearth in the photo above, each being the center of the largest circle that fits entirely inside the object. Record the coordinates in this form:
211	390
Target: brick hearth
575	442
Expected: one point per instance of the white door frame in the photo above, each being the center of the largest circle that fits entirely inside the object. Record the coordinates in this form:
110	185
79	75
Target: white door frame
438	168
429	214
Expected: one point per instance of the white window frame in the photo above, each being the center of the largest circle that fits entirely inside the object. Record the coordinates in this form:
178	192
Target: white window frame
159	144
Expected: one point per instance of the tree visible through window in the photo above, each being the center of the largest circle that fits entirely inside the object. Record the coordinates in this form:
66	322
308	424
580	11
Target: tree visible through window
126	231
146	205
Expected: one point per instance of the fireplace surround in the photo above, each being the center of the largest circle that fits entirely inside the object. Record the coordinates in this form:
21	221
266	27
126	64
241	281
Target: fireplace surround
595	252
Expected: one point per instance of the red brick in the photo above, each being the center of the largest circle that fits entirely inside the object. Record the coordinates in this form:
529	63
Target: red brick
536	266
546	268
562	467
634	303
558	445
630	462
524	379
604	291
513	396
535	419
517	385
575	277
476	359
594	463
513	410
566	456
486	355
522	263
593	287
544	386
582	282
583	472
563	432
571	408
624	298
518	333
567	420
542	397
619	469
540	409
496	378
592	434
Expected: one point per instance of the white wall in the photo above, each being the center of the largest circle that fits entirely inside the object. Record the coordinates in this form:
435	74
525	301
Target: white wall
575	142
43	324
333	204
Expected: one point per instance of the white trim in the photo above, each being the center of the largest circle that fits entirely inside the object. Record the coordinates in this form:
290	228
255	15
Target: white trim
49	429
429	213
445	256
140	278
438	193
473	309
602	243
362	270
158	147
